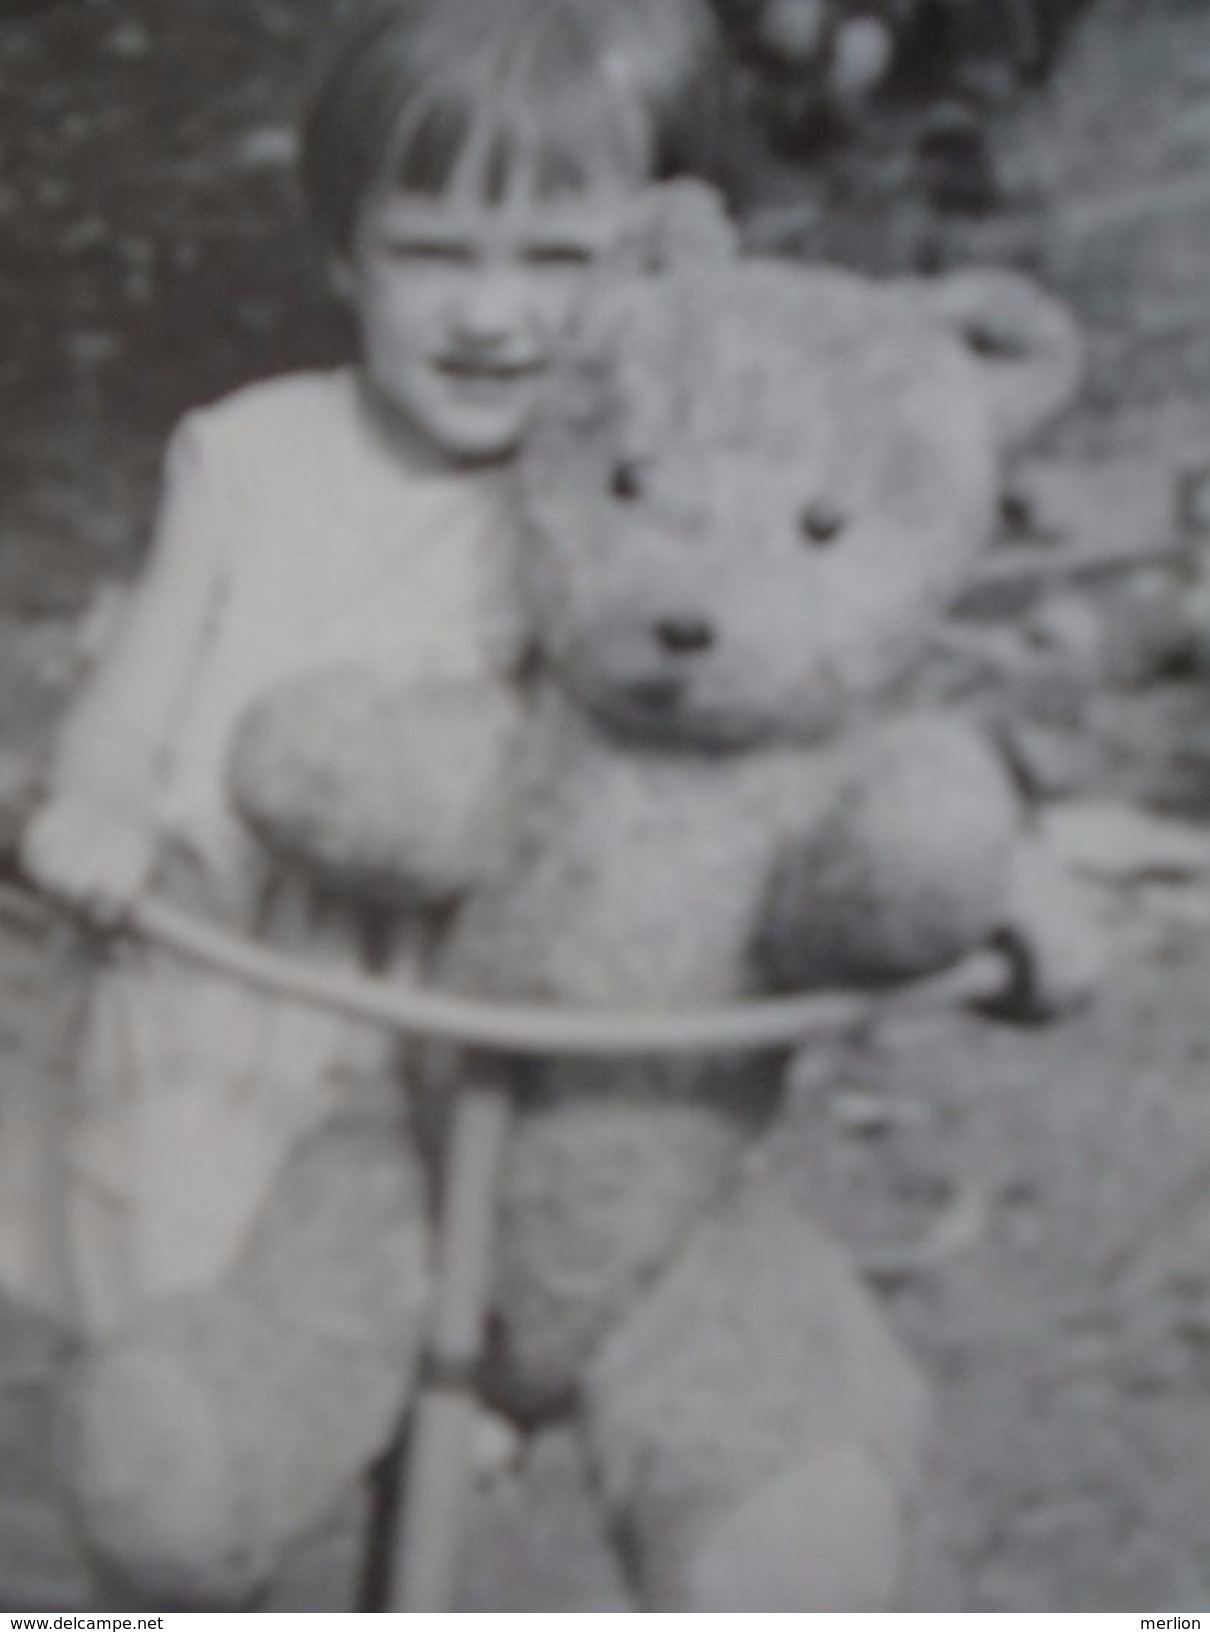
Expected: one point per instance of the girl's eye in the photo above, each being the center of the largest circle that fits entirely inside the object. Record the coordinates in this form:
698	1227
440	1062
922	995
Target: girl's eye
433	253
557	256
821	523
626	482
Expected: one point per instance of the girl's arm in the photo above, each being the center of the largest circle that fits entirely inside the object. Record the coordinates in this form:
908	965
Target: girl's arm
96	839
112	745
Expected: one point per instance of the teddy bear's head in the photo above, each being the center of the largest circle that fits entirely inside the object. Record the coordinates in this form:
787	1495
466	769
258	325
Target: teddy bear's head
753	491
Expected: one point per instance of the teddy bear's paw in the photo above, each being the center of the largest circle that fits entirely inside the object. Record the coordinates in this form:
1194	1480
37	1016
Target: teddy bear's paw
825	1536
152	1483
1056	949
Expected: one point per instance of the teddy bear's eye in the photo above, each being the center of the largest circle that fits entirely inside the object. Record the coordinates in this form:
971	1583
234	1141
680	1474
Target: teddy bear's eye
626	481
821	523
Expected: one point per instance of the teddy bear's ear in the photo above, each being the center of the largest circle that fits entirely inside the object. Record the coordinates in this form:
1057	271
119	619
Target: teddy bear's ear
672	228
678	224
1027	345
583	390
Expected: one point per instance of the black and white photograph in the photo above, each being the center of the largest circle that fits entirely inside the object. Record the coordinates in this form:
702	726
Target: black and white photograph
604	807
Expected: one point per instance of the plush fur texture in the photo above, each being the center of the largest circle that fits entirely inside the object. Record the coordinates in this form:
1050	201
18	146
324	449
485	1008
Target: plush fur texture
403	802
753	495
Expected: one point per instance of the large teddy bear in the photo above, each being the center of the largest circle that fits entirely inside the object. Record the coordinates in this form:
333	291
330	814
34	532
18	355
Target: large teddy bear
752	496
753	491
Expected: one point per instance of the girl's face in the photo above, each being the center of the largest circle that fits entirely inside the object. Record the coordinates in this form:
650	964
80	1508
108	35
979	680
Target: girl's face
462	303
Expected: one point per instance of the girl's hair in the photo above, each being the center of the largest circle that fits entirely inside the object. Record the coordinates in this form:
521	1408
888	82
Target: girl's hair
429	95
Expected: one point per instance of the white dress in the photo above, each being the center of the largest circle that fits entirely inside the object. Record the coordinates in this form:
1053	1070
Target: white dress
294	534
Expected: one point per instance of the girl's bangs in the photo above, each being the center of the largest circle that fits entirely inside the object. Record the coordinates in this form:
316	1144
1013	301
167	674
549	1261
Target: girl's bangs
493	137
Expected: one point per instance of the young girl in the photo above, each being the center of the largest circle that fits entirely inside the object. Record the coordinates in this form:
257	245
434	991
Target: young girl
466	162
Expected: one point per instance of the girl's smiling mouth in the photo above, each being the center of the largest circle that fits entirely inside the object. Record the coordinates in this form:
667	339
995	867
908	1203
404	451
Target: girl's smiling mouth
493	370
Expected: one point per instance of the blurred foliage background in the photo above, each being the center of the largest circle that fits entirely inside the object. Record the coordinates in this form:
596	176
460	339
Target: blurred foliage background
151	254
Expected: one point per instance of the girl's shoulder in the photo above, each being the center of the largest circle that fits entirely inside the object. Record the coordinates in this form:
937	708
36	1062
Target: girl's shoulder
277	418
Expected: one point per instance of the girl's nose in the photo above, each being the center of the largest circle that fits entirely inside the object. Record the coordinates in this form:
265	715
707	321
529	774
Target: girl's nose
489	308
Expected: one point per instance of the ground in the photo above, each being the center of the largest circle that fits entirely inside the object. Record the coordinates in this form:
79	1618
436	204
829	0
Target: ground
1028	1201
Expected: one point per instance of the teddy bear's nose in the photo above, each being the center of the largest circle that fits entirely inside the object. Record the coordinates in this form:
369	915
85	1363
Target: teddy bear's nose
684	636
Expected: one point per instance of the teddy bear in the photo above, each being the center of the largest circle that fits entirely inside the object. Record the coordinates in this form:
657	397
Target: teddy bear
752	495
752	492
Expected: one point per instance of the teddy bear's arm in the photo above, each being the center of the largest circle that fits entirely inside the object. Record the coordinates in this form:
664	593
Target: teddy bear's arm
403	792
910	869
